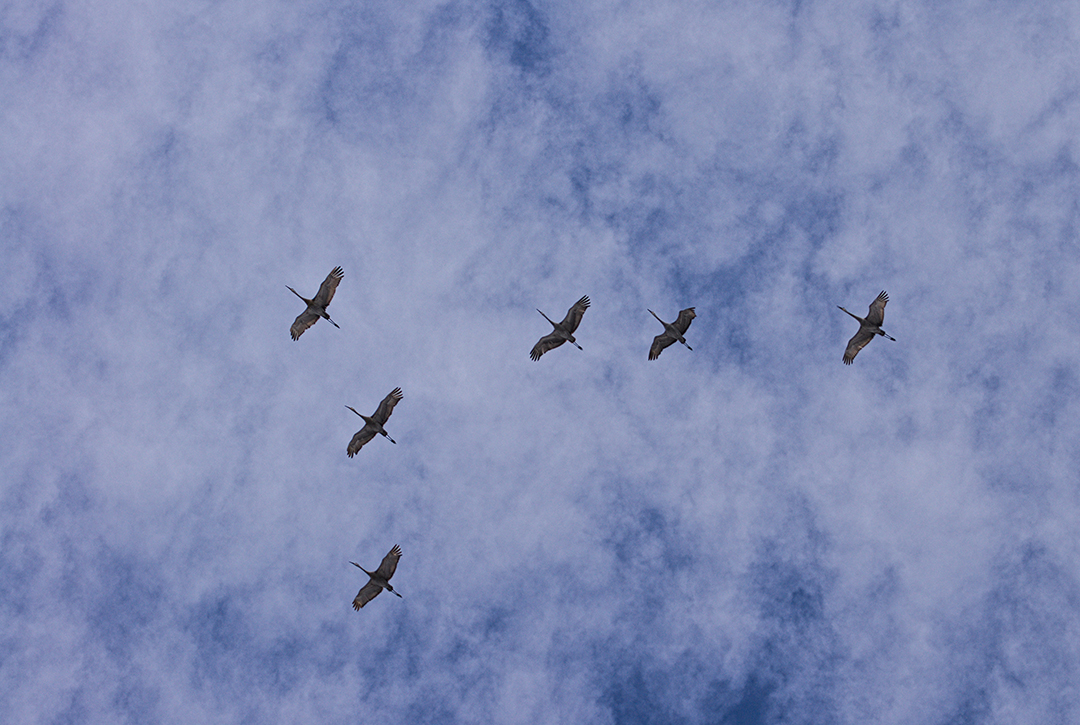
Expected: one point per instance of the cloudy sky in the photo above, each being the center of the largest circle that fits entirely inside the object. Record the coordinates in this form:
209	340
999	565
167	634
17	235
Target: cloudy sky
745	533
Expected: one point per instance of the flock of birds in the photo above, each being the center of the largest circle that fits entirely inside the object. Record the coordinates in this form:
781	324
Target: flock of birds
869	327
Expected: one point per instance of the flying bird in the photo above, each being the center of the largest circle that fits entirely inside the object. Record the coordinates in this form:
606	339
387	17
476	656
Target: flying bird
316	308
375	423
380	579
867	328
672	332
564	331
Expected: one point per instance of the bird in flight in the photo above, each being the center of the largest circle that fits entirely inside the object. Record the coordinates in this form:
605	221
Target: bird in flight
868	327
378	579
672	331
316	307
374	423
564	331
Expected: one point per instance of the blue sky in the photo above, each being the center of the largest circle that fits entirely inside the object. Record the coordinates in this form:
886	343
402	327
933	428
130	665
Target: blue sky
743	534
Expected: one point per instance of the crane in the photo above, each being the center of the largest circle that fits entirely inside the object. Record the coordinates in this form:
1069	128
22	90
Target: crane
564	331
316	307
672	332
374	423
868	327
379	579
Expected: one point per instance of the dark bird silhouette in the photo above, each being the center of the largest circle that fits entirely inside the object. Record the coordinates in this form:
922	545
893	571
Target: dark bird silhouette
378	579
672	332
316	307
374	423
868	327
564	331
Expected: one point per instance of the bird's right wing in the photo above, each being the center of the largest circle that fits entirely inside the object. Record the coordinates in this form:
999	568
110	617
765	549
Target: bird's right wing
367	592
659	343
547	342
389	563
329	286
862	337
364	435
574	314
386	407
876	315
685	318
302	322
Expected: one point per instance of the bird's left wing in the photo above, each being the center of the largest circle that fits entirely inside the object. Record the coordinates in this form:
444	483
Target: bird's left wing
389	563
367	592
329	287
876	315
685	318
575	313
386	407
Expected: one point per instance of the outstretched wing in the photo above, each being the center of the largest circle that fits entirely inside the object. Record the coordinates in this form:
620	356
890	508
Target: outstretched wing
389	563
364	435
368	592
862	337
547	342
659	343
303	321
685	318
329	286
876	315
386	407
574	314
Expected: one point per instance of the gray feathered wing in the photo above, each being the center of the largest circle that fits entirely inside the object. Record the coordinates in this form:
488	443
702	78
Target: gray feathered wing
545	343
861	339
329	287
682	324
389	563
303	321
660	342
876	315
363	436
386	407
367	592
574	314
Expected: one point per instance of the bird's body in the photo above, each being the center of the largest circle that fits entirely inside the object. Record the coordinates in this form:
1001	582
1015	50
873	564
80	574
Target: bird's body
316	307
374	424
868	328
564	331
672	331
378	579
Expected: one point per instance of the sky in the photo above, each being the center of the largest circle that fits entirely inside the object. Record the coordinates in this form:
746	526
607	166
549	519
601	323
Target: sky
747	533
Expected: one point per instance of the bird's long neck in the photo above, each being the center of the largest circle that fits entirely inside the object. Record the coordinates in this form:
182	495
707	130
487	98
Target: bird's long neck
656	316
855	316
553	324
305	299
